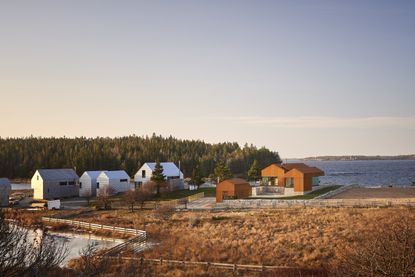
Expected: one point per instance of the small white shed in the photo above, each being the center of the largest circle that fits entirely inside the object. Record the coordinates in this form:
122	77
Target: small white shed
5	189
117	180
88	183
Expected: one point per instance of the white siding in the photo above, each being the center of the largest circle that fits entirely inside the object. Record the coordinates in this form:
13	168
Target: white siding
138	176
85	186
113	180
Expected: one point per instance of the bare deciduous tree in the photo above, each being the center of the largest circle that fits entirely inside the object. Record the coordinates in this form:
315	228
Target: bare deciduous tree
89	263
28	253
104	197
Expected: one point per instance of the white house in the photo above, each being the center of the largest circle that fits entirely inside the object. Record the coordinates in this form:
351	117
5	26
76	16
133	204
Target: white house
88	183
55	183
174	176
5	189
117	180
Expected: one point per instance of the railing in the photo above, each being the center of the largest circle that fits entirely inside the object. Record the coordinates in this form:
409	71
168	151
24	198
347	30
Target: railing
233	267
94	226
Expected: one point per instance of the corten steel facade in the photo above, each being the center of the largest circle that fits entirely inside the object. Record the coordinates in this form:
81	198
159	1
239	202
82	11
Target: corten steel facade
233	189
291	175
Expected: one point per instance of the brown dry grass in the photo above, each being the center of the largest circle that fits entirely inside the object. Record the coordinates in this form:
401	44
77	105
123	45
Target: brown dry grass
304	237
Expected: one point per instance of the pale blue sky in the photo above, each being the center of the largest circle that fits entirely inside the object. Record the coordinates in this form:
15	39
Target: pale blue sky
299	77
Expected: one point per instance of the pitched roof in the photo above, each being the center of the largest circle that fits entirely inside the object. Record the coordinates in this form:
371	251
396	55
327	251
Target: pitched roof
94	173
57	174
302	168
115	174
169	168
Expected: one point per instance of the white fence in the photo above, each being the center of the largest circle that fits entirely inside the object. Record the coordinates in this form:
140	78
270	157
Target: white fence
94	226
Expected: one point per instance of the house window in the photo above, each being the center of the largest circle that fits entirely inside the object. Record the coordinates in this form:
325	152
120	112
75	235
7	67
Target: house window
37	177
143	174
80	185
48	190
123	180
72	183
97	185
62	183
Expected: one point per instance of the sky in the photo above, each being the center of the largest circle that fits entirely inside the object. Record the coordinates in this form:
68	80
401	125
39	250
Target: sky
303	78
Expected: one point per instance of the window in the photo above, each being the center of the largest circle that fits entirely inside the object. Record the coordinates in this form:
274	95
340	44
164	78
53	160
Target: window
97	185
37	177
62	183
48	190
80	185
72	183
123	180
143	174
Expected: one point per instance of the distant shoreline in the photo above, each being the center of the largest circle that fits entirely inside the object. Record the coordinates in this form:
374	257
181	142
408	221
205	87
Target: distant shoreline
361	158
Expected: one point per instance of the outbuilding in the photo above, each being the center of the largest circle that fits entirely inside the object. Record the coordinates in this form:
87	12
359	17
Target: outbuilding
55	183
88	183
5	189
117	181
233	189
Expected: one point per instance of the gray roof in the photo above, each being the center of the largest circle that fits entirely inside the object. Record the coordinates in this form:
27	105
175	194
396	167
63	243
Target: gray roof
93	174
58	174
114	174
4	181
169	169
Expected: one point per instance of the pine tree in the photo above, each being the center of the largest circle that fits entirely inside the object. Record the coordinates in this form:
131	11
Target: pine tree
222	172
158	177
197	179
253	172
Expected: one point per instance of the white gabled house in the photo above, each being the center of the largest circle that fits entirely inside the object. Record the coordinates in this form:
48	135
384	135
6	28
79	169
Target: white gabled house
5	189
55	183
88	183
174	176
117	180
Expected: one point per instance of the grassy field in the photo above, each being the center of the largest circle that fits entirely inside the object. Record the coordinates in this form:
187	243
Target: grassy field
313	194
303	237
209	192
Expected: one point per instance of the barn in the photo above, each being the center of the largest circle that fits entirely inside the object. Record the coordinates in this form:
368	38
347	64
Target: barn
5	189
55	183
117	180
233	189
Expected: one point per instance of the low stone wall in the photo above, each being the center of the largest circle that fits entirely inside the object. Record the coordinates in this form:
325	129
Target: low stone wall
317	203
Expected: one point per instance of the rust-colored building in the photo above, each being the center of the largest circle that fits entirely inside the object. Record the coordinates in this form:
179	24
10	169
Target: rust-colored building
297	176
233	189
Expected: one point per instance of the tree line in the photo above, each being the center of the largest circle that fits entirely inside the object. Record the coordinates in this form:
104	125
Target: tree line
20	157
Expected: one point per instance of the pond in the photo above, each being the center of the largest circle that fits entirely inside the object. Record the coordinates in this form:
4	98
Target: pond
75	242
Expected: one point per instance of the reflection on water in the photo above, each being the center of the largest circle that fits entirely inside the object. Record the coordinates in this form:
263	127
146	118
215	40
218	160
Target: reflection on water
76	242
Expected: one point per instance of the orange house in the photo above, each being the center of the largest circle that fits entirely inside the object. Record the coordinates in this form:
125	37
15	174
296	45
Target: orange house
297	177
233	189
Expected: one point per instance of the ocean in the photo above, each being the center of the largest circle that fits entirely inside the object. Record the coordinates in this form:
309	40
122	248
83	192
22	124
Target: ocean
366	173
